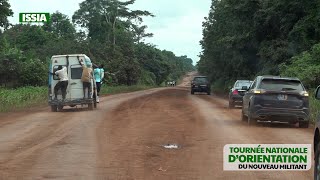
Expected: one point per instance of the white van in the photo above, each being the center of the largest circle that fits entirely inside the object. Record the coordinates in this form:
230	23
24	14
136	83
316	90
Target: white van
74	95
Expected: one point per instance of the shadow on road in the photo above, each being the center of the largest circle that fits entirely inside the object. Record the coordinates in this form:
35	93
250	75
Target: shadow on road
275	125
75	109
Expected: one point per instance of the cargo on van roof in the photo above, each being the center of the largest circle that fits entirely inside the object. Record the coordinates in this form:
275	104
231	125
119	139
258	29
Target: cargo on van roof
87	60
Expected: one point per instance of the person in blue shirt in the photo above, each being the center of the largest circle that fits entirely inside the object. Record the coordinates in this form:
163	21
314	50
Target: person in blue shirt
99	75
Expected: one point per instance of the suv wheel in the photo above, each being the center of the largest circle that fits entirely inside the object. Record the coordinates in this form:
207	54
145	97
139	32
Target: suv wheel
243	117
209	92
192	92
251	121
303	124
231	104
316	163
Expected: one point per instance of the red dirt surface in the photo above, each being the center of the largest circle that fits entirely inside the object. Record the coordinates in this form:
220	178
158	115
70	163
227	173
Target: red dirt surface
123	139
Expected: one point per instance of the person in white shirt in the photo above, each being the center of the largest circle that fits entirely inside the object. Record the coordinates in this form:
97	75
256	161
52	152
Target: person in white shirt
63	82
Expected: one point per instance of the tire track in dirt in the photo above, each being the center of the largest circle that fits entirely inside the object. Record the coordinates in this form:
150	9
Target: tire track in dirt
42	144
123	139
138	129
27	144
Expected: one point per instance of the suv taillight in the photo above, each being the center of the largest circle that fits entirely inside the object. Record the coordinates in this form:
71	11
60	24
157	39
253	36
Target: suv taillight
235	92
304	93
259	91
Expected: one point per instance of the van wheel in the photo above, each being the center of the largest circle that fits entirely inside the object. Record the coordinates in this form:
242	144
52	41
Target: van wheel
60	107
54	108
90	106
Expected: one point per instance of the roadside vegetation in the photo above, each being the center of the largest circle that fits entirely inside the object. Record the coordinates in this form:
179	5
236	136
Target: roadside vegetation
23	97
109	32
29	96
269	37
314	106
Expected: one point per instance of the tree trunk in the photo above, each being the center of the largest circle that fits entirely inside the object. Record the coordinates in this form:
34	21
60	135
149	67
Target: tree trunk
109	24
114	29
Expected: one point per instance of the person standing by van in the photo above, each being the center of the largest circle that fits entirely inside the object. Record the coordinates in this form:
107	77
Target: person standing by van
63	82
86	78
99	75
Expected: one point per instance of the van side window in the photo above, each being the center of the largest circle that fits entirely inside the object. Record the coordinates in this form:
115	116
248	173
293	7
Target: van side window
76	72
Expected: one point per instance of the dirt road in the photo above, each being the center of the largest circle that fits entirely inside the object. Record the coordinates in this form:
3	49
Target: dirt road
123	139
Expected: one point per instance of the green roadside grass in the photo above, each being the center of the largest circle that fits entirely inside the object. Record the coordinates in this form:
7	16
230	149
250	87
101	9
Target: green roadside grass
26	97
314	107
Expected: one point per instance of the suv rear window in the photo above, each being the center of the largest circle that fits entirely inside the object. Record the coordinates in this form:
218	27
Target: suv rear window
243	83
281	85
201	80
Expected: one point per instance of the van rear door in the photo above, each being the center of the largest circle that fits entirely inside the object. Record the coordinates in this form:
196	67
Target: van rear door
75	83
56	61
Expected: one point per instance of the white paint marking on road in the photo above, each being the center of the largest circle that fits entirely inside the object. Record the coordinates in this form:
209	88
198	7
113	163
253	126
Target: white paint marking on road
171	146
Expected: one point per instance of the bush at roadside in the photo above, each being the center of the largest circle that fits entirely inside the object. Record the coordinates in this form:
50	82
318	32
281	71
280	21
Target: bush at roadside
314	107
24	97
12	99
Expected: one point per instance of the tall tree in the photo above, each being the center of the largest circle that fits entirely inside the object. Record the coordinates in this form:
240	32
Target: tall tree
5	11
245	38
60	25
102	17
140	32
112	35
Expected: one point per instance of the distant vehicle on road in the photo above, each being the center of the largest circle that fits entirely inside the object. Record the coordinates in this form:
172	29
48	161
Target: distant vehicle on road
200	84
316	140
74	91
274	98
171	83
237	92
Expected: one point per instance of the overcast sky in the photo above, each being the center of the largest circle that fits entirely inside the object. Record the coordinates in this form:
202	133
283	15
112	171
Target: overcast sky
176	27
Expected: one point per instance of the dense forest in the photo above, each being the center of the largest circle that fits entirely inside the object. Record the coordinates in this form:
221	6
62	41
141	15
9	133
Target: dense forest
245	38
105	30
